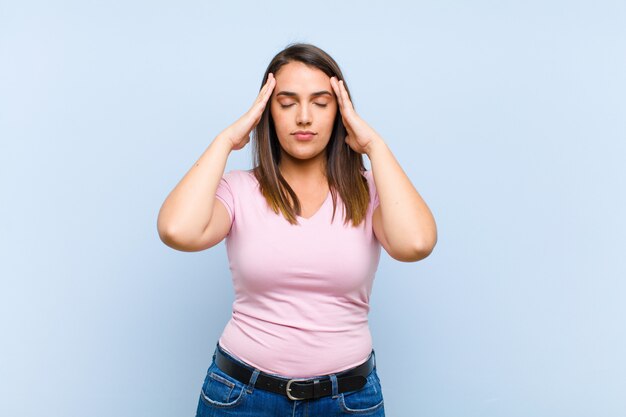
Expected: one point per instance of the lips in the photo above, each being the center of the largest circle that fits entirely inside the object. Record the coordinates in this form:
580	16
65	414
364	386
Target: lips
304	134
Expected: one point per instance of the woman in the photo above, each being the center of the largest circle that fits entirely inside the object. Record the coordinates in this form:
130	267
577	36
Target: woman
298	340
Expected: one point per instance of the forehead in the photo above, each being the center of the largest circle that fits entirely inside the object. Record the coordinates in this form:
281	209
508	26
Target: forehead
301	78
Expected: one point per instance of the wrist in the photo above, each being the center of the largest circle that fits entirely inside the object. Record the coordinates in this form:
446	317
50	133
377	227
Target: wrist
375	146
224	140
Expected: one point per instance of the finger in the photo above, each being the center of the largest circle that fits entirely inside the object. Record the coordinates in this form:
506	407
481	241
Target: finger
264	95
345	110
344	94
269	87
265	87
337	92
335	85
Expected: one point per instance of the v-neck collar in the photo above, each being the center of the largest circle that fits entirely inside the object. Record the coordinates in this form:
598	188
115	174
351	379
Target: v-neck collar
305	219
300	218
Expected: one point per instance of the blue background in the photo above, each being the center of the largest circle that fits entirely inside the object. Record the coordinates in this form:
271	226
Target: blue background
508	116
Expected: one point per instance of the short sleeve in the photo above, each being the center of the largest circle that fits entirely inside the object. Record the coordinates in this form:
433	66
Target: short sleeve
225	194
372	187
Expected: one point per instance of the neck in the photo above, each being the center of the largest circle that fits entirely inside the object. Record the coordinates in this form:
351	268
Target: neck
296	171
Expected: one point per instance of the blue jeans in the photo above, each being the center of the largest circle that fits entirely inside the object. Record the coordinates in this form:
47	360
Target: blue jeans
223	395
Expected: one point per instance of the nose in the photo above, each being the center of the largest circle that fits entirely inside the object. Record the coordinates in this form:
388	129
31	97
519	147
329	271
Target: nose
304	115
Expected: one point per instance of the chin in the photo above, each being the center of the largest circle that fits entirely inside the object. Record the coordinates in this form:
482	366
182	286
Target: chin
303	156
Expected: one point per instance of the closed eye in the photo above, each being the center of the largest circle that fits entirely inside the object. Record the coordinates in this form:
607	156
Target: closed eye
289	105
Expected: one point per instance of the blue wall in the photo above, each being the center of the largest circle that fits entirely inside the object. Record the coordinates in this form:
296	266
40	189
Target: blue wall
507	116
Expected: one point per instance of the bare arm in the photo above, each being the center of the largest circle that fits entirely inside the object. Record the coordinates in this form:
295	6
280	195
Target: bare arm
187	211
403	222
192	218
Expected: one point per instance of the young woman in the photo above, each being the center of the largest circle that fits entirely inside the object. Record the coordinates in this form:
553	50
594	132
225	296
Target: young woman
303	233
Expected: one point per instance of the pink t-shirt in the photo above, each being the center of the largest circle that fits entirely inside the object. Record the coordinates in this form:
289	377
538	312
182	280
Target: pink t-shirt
302	292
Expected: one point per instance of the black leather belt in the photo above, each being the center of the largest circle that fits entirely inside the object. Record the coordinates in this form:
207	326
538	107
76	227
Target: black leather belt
298	389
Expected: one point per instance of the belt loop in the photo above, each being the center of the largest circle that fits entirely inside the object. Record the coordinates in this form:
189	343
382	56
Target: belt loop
252	383
333	380
374	355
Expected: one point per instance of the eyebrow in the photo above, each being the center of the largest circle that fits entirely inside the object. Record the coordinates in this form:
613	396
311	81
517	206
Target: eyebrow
292	94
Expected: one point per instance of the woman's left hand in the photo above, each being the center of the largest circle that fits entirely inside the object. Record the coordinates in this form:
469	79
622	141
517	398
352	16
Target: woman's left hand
360	136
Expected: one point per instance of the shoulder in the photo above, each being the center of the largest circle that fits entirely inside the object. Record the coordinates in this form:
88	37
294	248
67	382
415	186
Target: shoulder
239	182
239	176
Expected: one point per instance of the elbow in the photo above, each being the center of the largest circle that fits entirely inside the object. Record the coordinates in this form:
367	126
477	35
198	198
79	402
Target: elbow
167	236
424	250
178	240
416	252
165	231
426	244
420	252
426	247
419	246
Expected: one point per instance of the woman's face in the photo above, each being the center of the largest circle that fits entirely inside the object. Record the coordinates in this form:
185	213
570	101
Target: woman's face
303	101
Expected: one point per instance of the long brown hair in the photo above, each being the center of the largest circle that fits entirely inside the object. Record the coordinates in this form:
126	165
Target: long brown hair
344	166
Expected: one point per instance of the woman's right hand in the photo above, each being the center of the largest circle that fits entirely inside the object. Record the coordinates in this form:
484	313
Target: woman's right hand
239	132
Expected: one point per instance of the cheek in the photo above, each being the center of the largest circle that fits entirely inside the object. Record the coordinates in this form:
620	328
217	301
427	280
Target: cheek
276	117
329	118
279	123
281	128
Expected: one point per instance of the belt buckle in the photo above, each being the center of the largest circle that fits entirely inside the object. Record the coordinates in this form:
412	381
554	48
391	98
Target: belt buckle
288	388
